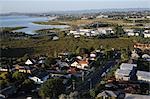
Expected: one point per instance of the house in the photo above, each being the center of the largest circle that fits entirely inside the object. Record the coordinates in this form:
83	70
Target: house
131	32
83	64
148	17
143	76
30	62
62	64
92	56
102	16
146	33
60	74
134	55
123	74
126	72
136	96
63	54
75	64
146	57
72	70
127	66
55	38
79	57
142	46
76	36
106	94
105	31
40	78
6	68
80	64
41	60
80	32
24	69
84	30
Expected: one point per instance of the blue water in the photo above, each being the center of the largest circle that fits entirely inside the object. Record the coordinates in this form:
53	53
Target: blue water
26	21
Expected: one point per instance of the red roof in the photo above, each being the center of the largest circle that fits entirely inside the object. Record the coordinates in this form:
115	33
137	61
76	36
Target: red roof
83	62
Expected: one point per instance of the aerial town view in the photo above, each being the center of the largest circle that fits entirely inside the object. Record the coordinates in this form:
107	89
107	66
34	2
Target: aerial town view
74	49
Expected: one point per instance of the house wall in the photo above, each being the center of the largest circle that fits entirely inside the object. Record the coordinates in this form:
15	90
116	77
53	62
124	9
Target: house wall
36	80
120	77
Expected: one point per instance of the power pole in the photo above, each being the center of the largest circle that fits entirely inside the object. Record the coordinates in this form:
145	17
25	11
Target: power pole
90	81
73	84
83	76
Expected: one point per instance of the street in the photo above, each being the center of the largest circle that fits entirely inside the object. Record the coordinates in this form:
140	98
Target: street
95	78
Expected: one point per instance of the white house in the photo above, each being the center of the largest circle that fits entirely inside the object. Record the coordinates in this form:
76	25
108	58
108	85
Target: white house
62	64
102	16
76	36
105	31
146	34
80	64
79	57
122	74
126	71
127	66
131	32
134	55
29	62
143	76
107	94
55	38
40	78
148	17
92	56
75	64
145	56
84	30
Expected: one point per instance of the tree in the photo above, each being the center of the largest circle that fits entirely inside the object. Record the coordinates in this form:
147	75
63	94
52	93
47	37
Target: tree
81	51
5	76
52	88
18	76
3	83
49	61
92	49
25	57
78	50
27	85
92	93
119	30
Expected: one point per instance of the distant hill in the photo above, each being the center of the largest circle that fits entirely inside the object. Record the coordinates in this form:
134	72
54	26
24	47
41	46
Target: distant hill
81	11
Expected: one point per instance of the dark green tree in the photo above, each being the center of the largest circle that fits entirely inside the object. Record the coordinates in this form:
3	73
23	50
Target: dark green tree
18	76
49	62
119	31
52	88
27	85
3	83
5	76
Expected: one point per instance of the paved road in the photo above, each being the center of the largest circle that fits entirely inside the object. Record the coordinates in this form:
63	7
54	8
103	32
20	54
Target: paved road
96	77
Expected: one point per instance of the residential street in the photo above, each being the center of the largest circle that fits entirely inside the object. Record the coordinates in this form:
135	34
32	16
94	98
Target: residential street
95	78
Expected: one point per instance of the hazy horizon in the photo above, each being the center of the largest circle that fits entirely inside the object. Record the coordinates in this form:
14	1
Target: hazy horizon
35	6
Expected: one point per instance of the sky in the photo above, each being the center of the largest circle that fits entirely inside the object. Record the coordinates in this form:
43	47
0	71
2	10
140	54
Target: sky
7	6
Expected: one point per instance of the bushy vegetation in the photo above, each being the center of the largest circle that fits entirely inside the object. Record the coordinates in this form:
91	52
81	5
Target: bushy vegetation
43	46
52	88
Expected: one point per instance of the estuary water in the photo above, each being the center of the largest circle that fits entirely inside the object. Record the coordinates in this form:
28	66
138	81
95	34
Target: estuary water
26	21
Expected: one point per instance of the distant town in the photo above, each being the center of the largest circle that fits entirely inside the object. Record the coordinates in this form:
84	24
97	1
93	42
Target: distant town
91	55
